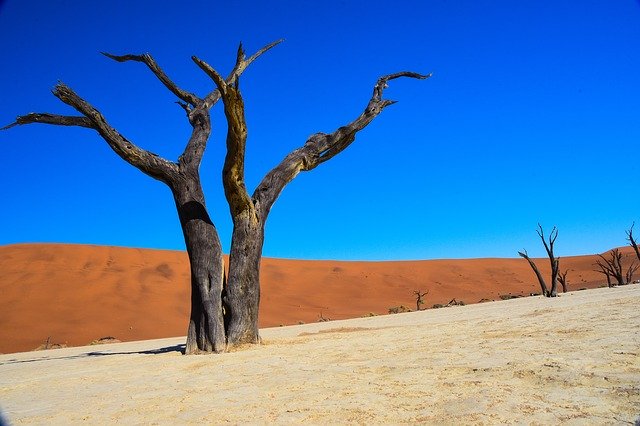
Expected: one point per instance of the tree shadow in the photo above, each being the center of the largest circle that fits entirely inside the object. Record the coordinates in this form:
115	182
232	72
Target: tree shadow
175	348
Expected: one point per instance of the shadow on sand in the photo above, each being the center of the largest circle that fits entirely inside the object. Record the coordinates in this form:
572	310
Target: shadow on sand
175	348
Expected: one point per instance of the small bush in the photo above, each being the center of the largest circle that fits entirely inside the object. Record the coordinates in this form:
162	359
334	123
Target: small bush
399	309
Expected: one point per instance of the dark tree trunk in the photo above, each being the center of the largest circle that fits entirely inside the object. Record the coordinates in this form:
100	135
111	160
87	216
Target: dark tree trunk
562	278
632	241
243	286
555	264
543	285
206	324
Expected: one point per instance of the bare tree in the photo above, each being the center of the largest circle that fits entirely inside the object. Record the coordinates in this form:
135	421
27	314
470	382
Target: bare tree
224	309
419	298
562	278
630	271
612	267
605	271
554	261
632	241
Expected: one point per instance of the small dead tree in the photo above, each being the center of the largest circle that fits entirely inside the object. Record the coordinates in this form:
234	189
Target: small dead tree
612	267
554	261
562	278
630	271
632	241
419	298
605	271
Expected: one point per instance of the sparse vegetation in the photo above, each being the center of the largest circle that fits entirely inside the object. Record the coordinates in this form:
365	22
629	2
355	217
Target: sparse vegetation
321	318
419	298
104	340
509	296
399	309
452	302
49	345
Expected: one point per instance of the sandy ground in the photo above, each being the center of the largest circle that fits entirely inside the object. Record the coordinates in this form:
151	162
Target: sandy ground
74	294
572	360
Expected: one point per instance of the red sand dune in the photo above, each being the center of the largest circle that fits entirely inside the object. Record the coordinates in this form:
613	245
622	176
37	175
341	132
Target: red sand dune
74	294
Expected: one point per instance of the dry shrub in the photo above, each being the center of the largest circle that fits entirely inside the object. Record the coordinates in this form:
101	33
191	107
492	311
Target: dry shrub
399	309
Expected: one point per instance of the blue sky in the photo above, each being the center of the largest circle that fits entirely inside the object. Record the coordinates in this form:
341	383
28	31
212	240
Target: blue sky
532	115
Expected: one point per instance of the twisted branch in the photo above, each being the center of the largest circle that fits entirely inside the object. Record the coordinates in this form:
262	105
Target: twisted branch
148	60
321	147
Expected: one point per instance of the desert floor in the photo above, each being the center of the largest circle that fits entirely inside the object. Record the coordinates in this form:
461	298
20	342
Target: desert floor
573	360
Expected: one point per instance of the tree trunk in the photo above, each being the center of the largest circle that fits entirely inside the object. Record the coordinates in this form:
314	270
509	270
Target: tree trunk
206	324
543	285
555	264
242	297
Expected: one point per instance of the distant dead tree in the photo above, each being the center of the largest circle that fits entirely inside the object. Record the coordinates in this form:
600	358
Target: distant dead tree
630	271
612	267
605	271
554	261
419	298
632	241
562	278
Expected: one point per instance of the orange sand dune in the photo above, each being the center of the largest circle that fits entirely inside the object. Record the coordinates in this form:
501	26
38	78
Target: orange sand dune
74	294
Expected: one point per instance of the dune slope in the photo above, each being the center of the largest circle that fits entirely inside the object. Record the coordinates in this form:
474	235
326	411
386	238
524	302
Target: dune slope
74	294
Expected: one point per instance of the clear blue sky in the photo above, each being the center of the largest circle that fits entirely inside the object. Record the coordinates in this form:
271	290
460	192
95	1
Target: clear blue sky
533	115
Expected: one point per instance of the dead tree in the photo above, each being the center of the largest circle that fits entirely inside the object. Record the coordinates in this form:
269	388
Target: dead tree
605	271
224	309
543	285
562	279
632	241
554	261
419	298
612	267
630	271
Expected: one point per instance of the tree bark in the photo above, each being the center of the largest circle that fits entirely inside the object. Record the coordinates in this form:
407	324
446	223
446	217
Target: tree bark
543	285
205	332
243	286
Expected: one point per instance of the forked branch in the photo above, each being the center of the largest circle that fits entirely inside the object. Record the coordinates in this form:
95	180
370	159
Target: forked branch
241	64
44	118
632	241
612	266
233	170
321	147
145	161
148	60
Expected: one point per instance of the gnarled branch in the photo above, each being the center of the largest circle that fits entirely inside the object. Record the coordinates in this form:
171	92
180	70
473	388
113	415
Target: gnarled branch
321	147
612	266
145	161
554	261
44	118
233	171
199	119
148	60
632	241
241	64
